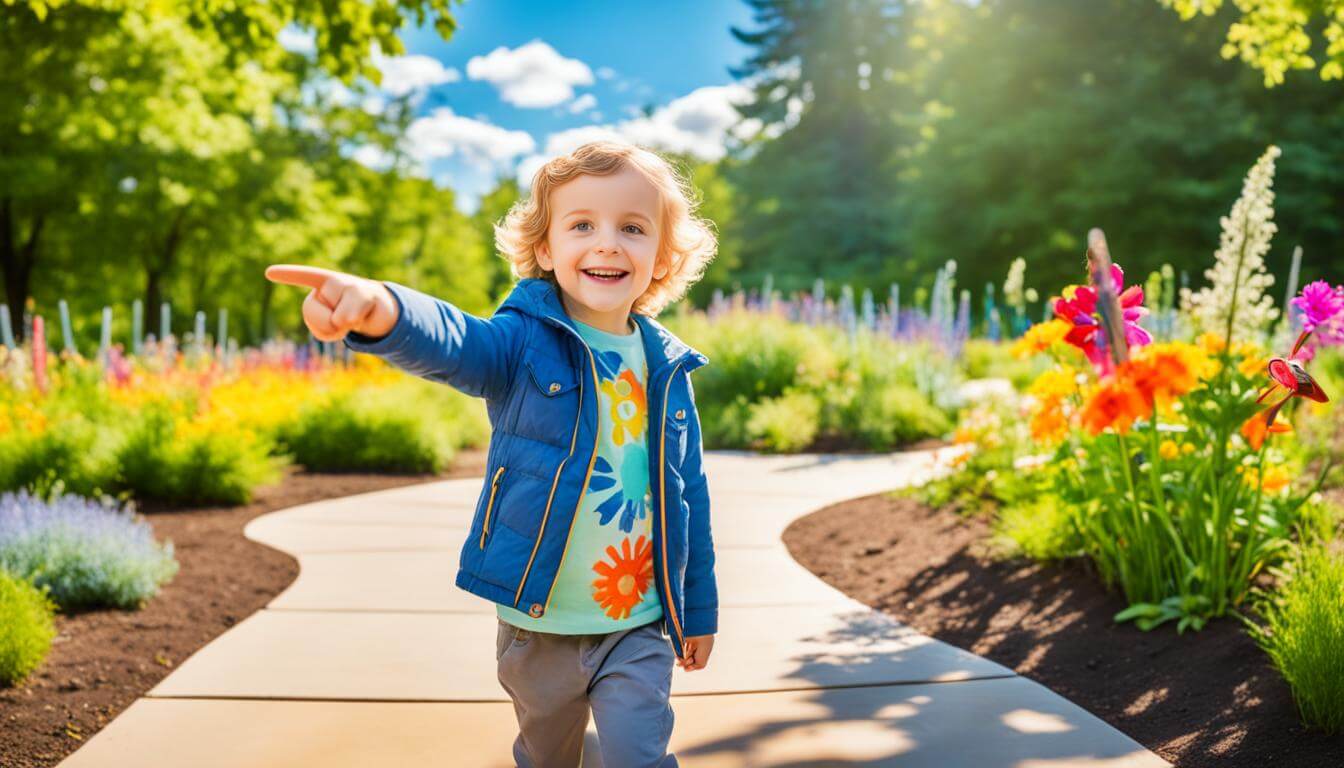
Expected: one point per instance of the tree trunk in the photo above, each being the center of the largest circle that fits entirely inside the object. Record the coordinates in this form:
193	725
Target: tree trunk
16	264
155	271
263	330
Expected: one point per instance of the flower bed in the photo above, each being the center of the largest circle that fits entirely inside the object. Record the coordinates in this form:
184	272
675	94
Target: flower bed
103	660
1165	470
197	431
1209	700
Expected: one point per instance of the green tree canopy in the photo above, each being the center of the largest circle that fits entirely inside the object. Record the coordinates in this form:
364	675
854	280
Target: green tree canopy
1275	36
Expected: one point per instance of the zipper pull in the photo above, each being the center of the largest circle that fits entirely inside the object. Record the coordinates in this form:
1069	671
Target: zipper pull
494	485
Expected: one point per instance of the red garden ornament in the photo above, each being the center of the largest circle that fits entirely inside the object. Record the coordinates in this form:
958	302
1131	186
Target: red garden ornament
1289	374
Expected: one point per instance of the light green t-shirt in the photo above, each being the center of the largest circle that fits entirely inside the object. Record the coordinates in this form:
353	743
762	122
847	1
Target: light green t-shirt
605	582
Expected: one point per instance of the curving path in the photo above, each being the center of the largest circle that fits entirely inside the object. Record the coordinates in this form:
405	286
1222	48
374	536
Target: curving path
372	657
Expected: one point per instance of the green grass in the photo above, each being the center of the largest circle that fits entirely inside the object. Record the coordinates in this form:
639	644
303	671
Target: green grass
1303	633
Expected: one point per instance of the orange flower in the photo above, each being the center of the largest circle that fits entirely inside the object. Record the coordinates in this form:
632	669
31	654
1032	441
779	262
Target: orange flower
1255	429
1116	404
1050	414
1050	424
1275	478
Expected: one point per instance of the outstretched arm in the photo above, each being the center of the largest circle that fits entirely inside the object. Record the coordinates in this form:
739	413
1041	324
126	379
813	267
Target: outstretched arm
436	340
418	333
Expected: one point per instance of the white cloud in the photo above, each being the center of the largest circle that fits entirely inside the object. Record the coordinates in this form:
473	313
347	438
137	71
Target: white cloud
298	40
605	73
530	76
403	74
527	167
584	102
700	124
372	156
445	134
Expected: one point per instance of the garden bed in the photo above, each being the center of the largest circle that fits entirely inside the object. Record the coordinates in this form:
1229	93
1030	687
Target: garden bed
104	660
1202	699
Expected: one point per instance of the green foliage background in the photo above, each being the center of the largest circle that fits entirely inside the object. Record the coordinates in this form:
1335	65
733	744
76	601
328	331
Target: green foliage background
169	151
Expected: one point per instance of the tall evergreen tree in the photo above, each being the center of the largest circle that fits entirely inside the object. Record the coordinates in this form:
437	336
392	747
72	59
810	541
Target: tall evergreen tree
816	192
1066	116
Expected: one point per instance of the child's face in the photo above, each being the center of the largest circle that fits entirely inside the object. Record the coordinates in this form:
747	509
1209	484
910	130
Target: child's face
607	223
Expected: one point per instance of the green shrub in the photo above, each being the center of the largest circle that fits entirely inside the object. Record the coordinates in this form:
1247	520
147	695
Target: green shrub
985	359
1303	633
771	380
405	428
893	416
1041	529
159	461
79	452
27	628
784	424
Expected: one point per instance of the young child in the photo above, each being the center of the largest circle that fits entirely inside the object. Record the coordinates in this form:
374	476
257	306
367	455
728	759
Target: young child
592	533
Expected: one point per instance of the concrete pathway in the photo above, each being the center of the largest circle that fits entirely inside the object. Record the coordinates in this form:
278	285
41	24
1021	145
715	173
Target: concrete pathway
373	657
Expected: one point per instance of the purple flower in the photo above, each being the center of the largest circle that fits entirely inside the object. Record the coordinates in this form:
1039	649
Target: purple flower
1320	304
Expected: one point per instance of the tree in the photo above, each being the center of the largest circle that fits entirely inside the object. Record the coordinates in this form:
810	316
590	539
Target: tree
1274	36
136	132
816	190
495	204
1057	124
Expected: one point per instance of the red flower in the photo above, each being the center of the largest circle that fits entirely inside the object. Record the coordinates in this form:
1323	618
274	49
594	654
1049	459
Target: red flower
1079	307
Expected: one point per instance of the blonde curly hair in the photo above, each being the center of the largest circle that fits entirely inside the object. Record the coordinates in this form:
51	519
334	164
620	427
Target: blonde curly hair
688	242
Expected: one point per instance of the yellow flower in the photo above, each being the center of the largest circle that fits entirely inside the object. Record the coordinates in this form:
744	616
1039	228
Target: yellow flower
1055	384
1276	479
1040	338
1187	448
1169	450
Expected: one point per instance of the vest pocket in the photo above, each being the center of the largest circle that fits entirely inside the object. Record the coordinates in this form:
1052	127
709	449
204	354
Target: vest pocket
494	487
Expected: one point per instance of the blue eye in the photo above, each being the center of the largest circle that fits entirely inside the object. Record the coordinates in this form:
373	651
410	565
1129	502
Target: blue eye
636	228
579	223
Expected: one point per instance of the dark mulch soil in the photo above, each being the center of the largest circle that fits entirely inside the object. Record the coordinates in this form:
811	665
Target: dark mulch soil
104	660
1203	699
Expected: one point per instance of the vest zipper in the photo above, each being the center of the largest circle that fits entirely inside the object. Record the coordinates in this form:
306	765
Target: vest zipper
573	438
662	519
494	485
592	362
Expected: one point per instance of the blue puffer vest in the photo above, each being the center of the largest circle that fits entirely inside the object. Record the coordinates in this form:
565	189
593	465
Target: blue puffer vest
539	381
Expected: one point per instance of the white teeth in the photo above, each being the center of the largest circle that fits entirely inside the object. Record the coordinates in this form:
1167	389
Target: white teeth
602	273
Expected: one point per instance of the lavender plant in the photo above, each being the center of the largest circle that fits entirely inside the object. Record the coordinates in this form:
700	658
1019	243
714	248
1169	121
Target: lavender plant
87	553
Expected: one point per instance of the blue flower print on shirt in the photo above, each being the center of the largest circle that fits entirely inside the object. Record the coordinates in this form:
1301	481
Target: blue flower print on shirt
608	364
633	460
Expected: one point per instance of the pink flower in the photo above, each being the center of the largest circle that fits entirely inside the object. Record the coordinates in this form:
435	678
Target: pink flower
1320	304
1079	307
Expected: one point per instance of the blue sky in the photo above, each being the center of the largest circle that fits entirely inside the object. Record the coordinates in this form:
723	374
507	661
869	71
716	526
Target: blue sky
522	81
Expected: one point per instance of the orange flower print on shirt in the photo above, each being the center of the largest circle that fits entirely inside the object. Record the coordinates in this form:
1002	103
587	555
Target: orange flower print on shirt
628	407
622	585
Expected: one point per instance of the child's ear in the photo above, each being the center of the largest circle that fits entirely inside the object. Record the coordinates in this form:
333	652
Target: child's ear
542	253
659	268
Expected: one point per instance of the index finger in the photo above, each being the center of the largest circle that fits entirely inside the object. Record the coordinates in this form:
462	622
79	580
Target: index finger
293	274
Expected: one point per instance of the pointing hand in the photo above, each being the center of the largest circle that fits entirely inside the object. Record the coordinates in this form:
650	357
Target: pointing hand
339	303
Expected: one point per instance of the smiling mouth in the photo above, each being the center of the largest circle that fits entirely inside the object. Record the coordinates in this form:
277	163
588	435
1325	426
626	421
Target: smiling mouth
607	276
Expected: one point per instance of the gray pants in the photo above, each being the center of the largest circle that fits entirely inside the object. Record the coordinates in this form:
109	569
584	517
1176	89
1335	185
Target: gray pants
625	676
